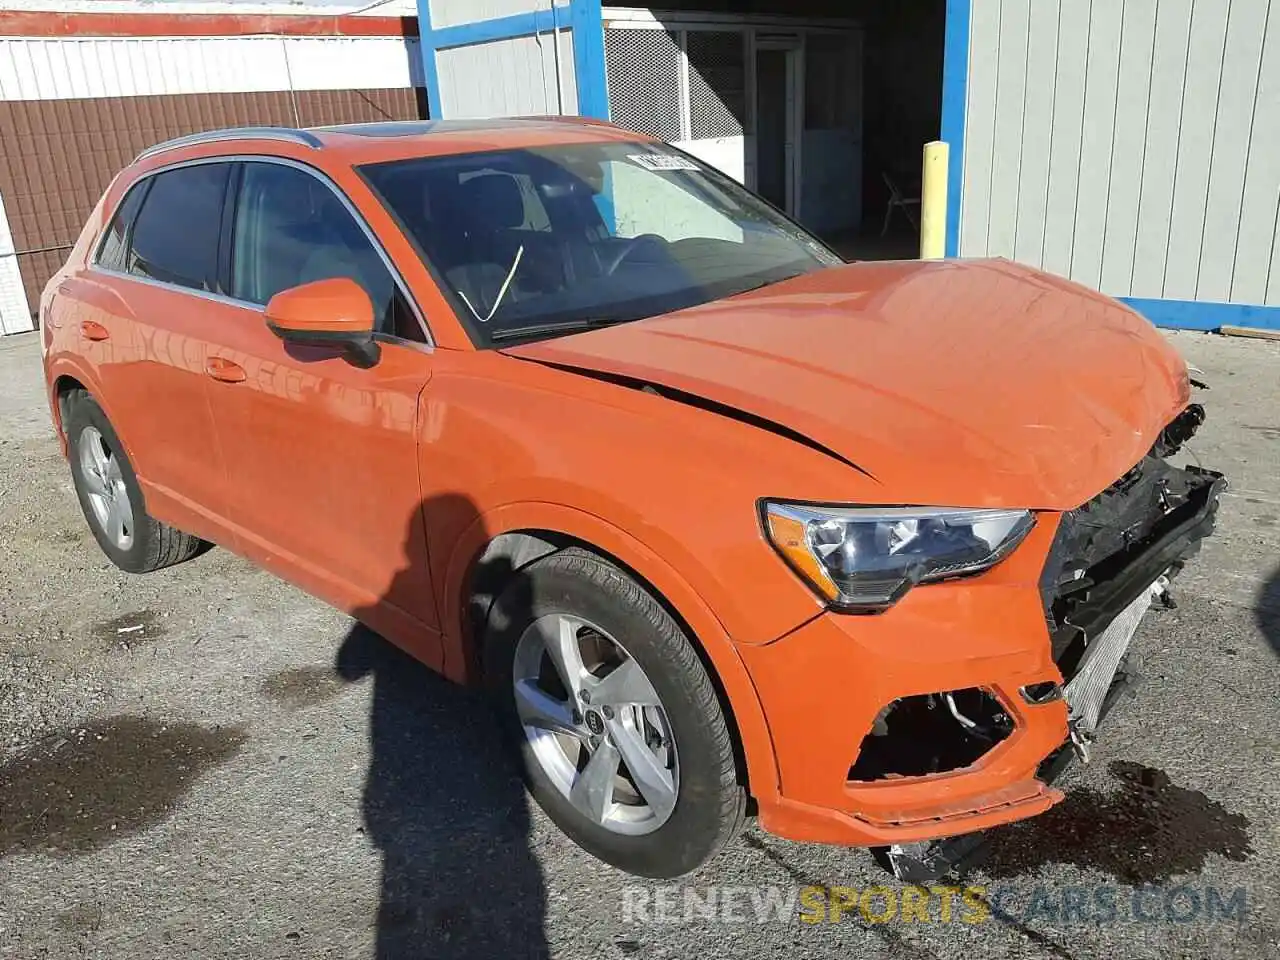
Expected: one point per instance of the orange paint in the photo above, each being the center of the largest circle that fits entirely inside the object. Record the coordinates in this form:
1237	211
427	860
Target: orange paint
980	384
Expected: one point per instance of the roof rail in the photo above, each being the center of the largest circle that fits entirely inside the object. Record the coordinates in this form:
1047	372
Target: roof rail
567	118
286	134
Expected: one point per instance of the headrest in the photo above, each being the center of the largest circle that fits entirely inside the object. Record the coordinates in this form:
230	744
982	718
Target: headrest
492	201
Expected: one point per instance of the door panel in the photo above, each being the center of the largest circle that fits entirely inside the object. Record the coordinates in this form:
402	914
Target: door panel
159	399
159	256
322	457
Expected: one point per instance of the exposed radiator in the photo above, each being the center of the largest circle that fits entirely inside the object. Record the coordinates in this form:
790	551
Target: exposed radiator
1087	690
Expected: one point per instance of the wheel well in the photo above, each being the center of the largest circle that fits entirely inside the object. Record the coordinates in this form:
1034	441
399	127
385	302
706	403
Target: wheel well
63	387
508	553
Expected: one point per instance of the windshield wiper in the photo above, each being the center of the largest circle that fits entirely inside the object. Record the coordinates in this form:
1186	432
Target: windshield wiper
790	275
563	326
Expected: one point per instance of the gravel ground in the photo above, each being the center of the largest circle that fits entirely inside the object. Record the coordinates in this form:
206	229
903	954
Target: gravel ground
205	762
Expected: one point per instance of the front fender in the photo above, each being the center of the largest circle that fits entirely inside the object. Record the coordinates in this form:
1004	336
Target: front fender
709	632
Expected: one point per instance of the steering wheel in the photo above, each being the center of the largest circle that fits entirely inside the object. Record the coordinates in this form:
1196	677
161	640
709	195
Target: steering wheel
650	240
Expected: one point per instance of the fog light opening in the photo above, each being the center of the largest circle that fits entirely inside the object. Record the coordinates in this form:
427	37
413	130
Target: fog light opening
1046	691
933	733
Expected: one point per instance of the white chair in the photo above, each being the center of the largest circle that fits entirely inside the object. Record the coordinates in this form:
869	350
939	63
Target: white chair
903	203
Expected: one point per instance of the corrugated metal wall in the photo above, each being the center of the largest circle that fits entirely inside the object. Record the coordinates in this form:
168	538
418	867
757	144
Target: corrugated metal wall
509	78
92	67
482	73
1129	145
15	307
451	13
73	111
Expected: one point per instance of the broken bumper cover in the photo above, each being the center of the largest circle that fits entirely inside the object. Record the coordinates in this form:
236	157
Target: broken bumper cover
825	686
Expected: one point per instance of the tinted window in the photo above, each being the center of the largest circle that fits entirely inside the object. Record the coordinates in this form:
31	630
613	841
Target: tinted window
175	237
111	253
291	228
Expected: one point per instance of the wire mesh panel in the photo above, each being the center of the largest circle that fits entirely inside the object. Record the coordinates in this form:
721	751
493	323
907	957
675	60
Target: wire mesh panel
644	80
717	83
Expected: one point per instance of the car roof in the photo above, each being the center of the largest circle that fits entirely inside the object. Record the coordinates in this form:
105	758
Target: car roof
359	143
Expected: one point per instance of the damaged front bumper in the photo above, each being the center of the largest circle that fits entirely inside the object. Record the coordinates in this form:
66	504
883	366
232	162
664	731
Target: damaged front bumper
1096	594
963	668
1111	559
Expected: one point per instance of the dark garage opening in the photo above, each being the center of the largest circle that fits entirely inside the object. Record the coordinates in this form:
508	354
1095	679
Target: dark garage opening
821	106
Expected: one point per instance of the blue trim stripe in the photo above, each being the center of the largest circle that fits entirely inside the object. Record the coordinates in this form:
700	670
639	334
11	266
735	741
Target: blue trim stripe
1192	315
955	92
588	58
426	45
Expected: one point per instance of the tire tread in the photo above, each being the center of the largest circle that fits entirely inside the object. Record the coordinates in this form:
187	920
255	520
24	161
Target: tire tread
165	545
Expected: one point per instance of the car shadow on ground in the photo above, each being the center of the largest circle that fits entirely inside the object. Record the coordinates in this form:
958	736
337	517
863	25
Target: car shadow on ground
1267	610
443	804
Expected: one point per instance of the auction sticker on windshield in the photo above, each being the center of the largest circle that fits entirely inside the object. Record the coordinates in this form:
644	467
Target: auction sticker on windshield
661	161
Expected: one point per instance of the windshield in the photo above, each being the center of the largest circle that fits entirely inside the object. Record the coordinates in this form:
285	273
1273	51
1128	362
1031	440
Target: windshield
536	242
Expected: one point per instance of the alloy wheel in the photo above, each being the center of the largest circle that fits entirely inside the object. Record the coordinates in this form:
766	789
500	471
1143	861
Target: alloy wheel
105	488
596	726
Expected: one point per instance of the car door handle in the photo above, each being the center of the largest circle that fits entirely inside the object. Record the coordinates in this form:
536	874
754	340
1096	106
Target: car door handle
93	330
225	370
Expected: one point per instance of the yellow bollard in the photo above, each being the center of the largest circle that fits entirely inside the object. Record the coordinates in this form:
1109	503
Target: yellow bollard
933	201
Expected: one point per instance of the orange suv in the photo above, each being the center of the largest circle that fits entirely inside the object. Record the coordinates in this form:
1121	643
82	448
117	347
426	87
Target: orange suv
726	525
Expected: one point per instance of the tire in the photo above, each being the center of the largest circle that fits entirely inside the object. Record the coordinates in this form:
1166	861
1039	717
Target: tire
142	543
686	732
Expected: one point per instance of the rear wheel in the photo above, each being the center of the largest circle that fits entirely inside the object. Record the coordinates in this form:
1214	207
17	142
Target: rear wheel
617	725
112	500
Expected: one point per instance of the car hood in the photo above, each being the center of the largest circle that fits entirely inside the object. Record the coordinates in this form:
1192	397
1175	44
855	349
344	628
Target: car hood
967	383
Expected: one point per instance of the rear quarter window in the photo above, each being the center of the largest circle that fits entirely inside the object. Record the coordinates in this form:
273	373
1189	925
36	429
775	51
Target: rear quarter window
175	235
111	254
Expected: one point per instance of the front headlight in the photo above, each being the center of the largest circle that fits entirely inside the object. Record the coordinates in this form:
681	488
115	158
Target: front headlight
866	558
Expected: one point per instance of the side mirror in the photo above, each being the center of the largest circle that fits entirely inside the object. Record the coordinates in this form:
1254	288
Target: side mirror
335	312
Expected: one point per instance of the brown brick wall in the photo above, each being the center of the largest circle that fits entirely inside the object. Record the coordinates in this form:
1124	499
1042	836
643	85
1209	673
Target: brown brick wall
57	156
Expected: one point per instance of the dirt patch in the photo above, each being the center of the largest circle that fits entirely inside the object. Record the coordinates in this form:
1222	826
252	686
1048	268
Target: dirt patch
300	687
129	629
82	788
1147	832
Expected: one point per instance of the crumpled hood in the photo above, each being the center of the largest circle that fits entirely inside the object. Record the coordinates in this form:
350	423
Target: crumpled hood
978	383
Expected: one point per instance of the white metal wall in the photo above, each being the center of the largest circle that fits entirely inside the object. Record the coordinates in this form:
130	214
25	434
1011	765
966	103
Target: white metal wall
451	13
1131	146
509	78
512	76
15	311
64	69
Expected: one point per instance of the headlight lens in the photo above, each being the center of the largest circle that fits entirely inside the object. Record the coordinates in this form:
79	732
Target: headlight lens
866	558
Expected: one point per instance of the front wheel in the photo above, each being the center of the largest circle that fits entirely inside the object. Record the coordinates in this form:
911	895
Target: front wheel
617	725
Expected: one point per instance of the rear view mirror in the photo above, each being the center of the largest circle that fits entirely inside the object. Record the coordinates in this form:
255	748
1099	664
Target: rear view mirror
335	312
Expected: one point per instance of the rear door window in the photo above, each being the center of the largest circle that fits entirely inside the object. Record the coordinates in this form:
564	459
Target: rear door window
175	235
